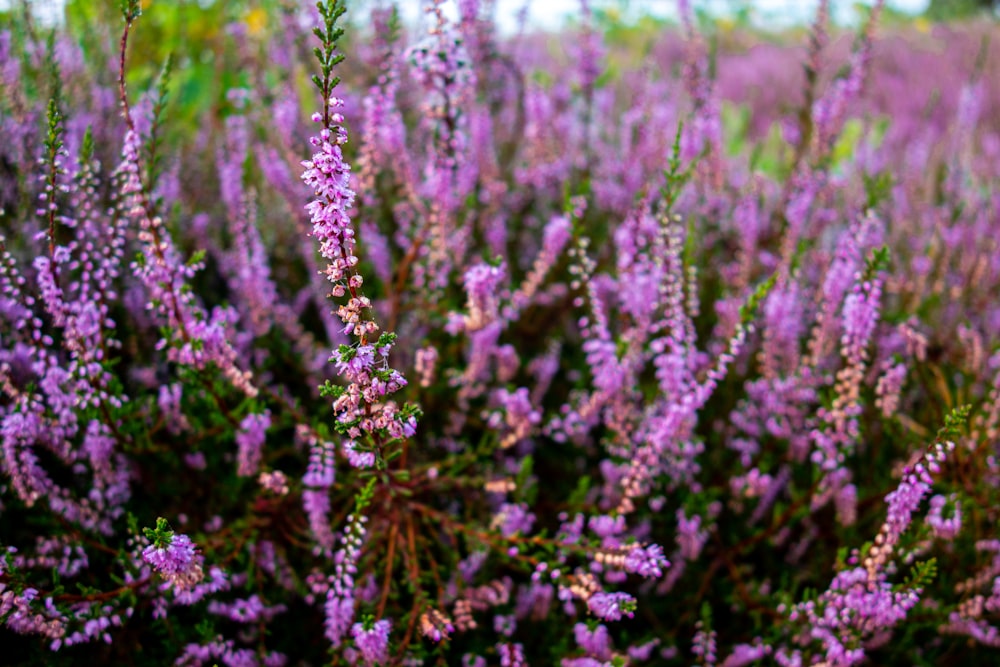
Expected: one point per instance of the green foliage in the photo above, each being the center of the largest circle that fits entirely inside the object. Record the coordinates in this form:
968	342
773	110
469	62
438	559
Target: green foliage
161	536
364	497
855	132
878	187
327	54
922	575
525	481
749	308
954	422
54	136
130	9
877	261
385	339
153	156
950	10
675	176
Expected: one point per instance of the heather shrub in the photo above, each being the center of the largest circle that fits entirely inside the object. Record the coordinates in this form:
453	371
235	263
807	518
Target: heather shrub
502	350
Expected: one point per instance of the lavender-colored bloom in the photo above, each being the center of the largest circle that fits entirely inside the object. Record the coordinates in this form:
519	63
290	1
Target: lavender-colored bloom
250	610
169	401
482	284
352	362
583	662
596	642
176	560
513	518
746	654
469	566
829	111
647	561
339	605
605	526
902	502
372	643
704	645
250	441
944	527
356	458
20	431
511	655
339	612
435	626
861	309
196	338
274	481
690	537
473	154
504	625
643	651
321	470
853	608
329	176
316	503
611	606
888	389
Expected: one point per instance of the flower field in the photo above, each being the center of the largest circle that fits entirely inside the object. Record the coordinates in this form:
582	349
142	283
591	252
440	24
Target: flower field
332	338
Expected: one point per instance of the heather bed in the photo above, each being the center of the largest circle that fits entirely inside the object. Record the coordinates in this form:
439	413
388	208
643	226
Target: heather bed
575	350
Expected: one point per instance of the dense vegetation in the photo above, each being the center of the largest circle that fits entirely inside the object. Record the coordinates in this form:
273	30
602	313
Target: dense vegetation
629	345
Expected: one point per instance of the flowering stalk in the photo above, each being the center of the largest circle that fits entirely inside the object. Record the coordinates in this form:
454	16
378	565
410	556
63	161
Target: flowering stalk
361	408
195	338
365	417
173	556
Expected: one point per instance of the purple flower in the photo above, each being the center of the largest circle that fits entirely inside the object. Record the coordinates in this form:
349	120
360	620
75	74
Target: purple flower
358	459
511	655
646	561
513	518
945	527
330	176
351	362
611	606
690	538
482	287
250	440
274	481
316	503
435	626
703	645
583	662
596	642
176	559
372	643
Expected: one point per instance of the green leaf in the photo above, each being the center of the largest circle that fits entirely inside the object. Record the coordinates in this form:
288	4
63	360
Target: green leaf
954	421
749	309
579	495
922	574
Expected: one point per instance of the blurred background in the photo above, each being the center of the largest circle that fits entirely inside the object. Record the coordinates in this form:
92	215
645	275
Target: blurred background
552	14
926	50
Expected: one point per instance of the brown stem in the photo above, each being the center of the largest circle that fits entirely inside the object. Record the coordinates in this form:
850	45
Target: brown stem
100	597
390	559
403	274
414	574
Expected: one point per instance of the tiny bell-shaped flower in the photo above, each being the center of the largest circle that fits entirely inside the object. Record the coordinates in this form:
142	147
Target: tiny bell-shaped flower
173	555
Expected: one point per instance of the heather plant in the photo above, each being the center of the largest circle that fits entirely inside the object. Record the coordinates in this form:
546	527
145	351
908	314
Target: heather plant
430	345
